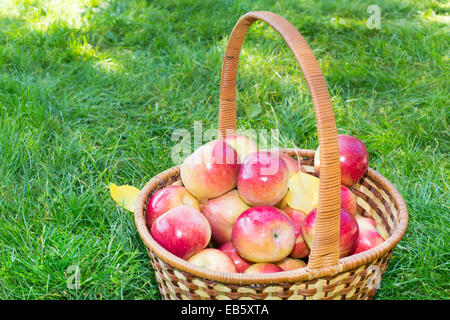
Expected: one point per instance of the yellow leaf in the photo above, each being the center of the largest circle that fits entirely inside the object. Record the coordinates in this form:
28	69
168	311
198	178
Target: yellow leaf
303	192
125	196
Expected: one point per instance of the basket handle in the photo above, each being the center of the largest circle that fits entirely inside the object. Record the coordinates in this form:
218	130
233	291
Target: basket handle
325	247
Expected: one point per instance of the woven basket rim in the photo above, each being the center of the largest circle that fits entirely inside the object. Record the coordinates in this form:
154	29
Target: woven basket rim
304	274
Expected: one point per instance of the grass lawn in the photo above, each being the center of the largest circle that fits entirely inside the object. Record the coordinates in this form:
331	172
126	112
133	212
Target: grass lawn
91	91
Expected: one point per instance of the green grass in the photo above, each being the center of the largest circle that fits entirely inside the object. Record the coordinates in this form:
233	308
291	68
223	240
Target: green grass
91	91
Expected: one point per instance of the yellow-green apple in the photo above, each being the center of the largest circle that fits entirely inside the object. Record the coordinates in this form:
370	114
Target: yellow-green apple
263	234
368	235
290	264
182	231
221	213
263	179
240	263
213	259
263	268
168	198
348	236
382	231
211	170
300	250
242	144
354	159
348	200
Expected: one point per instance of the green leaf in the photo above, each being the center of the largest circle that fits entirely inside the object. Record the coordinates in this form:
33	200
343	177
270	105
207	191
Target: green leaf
253	110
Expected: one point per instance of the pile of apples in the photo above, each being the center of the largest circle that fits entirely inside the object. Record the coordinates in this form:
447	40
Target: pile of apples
230	213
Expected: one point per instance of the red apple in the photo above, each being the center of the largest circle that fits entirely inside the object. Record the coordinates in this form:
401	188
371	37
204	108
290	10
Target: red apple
300	250
366	220
263	179
221	213
240	263
263	268
242	144
292	164
211	170
168	198
381	229
368	235
348	232
348	200
263	234
213	259
354	159
182	231
290	264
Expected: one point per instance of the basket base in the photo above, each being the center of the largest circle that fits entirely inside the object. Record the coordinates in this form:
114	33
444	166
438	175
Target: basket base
358	284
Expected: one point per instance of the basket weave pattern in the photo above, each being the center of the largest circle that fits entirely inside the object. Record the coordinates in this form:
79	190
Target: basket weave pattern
359	282
351	285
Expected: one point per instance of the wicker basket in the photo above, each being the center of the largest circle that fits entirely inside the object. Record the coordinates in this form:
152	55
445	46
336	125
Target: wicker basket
326	276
